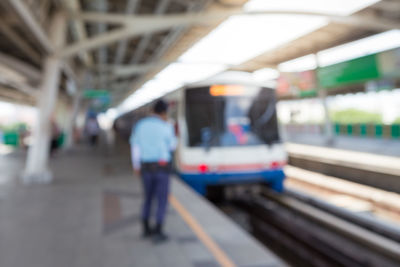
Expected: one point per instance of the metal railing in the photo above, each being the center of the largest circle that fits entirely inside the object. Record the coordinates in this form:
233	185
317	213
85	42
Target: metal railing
357	130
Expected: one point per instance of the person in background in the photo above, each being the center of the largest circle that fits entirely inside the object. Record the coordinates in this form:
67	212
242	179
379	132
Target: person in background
93	130
152	143
55	135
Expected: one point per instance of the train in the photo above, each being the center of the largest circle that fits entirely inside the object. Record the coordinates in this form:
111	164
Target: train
227	132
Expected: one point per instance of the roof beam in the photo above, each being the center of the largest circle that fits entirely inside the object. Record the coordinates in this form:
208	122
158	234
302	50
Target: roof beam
19	42
143	44
174	34
140	21
145	41
132	26
126	71
100	6
78	29
98	41
167	43
33	25
38	32
118	35
14	96
43	10
100	28
131	8
388	6
211	17
19	85
129	70
30	72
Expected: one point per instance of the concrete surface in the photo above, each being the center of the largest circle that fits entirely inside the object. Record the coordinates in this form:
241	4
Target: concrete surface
90	216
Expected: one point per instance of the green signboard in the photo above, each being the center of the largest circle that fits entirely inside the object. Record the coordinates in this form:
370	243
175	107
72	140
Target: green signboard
381	70
377	66
95	93
11	138
352	71
99	99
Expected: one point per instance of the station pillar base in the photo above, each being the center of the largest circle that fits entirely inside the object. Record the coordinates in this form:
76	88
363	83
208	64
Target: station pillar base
44	177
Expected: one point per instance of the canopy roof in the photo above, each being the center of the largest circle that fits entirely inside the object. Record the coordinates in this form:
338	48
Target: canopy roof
121	45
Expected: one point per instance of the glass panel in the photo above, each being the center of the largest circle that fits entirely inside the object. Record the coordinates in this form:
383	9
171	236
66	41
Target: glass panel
244	119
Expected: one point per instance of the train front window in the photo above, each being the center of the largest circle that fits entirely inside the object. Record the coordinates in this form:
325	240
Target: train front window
230	116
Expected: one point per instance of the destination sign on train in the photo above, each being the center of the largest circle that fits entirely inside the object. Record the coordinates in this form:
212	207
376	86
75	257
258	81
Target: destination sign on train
226	90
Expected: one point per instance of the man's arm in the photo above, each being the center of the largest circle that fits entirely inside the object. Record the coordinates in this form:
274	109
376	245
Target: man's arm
135	151
172	139
135	157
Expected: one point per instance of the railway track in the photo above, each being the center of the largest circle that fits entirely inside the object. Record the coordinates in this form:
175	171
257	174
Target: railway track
308	232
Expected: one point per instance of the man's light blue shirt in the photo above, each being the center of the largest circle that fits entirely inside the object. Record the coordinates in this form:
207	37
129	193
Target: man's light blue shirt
154	138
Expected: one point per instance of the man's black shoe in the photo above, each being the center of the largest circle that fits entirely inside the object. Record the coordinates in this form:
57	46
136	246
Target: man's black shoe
146	229
158	234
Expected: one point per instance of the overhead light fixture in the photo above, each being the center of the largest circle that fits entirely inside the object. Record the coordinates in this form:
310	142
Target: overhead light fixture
304	63
265	74
366	46
188	72
243	37
333	7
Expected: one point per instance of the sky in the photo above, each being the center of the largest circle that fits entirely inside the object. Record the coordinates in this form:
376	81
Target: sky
11	113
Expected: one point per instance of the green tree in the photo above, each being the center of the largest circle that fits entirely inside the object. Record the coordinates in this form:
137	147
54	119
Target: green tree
352	116
396	121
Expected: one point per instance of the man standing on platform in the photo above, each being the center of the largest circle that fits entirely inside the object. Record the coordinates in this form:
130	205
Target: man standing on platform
152	143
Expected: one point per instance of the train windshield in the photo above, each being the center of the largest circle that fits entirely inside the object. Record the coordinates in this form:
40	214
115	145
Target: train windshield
230	115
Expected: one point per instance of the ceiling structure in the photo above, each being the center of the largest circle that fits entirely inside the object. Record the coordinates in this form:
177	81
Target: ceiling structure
121	44
331	35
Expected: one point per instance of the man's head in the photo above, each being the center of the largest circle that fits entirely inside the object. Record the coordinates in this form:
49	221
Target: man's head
160	108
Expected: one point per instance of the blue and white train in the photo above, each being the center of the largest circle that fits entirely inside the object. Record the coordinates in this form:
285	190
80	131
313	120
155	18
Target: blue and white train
228	133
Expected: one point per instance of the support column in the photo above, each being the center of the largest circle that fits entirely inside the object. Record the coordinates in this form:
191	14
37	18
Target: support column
322	94
329	137
69	131
37	170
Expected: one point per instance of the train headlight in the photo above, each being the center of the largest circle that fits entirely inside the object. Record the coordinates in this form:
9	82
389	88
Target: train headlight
203	168
276	164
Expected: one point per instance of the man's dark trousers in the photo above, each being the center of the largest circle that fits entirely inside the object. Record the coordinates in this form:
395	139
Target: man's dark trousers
155	184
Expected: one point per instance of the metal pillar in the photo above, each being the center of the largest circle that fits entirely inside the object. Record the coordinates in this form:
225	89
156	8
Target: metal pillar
72	120
329	137
37	170
322	94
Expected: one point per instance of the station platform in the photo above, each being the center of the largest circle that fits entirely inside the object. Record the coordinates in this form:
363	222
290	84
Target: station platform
373	162
386	147
346	158
90	216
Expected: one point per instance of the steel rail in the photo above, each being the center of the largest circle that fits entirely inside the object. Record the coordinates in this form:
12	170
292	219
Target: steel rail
349	229
319	232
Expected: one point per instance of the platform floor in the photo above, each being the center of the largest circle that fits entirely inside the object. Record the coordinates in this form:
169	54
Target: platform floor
90	216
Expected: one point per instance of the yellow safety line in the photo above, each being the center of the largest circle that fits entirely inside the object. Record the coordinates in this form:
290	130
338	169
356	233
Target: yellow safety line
219	255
